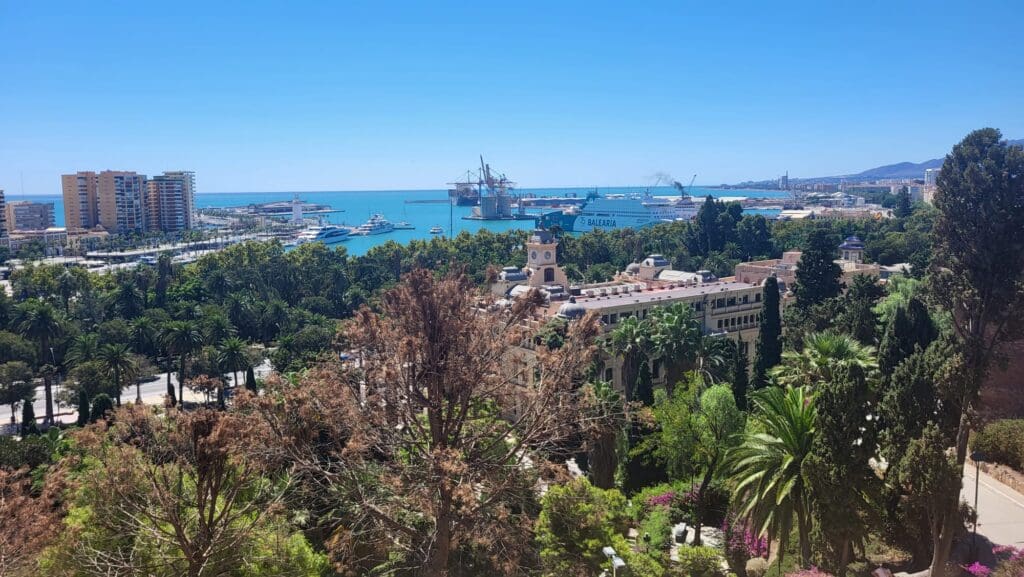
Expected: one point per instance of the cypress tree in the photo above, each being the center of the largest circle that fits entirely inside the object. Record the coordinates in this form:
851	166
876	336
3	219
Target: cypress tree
911	327
28	419
250	380
740	377
903	208
817	274
83	409
768	352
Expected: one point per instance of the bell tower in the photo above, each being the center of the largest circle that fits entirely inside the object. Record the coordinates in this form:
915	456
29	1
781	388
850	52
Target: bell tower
542	259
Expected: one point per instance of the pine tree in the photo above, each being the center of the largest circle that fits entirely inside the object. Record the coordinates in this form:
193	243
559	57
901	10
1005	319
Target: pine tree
28	419
250	380
817	274
768	352
740	377
83	409
903	208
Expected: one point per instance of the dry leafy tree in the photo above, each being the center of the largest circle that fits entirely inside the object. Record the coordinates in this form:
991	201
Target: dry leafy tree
28	522
426	458
171	495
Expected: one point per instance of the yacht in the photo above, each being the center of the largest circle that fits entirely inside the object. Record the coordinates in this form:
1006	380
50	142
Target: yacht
436	230
621	211
326	234
403	225
376	225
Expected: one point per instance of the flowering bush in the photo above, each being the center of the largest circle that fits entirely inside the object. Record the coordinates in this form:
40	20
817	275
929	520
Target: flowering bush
812	572
663	500
1007	553
741	542
978	570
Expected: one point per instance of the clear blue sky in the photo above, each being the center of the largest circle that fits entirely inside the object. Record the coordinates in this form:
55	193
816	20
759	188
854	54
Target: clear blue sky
336	95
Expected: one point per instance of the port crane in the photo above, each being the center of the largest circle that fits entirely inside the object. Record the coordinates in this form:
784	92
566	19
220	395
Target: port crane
685	190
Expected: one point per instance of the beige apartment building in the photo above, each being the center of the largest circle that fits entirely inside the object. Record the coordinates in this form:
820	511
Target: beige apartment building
81	210
121	199
170	200
22	215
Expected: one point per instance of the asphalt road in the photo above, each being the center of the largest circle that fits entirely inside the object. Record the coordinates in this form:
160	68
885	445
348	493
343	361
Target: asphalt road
1000	509
153	392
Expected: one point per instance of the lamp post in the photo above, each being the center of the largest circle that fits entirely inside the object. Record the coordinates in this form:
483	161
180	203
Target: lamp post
978	458
617	562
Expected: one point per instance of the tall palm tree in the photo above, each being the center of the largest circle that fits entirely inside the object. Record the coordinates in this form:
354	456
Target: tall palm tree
118	362
127	299
231	355
823	354
629	342
767	465
674	338
217	328
182	338
711	359
144	335
39	321
84	347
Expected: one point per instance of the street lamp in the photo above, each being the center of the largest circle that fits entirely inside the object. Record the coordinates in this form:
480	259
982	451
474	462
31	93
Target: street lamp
978	457
617	562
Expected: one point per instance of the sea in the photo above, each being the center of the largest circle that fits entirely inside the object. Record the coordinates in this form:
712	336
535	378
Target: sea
422	209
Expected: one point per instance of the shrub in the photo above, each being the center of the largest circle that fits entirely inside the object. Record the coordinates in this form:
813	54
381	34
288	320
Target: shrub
700	561
757	567
659	527
576	520
101	405
1002	442
1010	568
29	452
812	572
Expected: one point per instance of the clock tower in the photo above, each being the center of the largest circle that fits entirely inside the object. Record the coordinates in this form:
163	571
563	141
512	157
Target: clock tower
542	260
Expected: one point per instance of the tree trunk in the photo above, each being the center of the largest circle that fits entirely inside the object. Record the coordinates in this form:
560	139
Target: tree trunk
181	382
844	558
118	384
138	392
603	462
943	541
804	533
49	399
170	387
437	565
702	511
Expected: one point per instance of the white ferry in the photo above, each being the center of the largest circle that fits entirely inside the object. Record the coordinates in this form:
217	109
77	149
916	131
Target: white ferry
622	211
326	234
376	225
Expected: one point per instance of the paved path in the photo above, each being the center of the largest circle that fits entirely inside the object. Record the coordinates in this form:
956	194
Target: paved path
1000	509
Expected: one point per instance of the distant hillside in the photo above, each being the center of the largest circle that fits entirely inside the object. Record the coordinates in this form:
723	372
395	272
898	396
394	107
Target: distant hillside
898	170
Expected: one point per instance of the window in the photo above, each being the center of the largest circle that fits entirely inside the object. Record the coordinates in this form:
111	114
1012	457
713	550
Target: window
614	318
719	323
609	375
719	303
698	306
549	275
732	301
656	369
604	319
745	298
757	298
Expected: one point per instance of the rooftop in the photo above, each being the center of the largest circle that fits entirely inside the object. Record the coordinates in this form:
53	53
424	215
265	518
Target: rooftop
658	295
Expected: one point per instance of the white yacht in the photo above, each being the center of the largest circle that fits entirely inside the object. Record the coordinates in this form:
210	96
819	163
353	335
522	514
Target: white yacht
327	234
436	229
376	225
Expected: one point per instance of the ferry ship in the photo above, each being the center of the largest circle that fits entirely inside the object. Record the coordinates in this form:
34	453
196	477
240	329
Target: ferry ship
326	234
621	211
376	225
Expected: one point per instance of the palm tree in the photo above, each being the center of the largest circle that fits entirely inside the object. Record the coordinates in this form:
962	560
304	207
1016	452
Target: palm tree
84	348
711	359
39	321
823	354
144	336
767	465
217	328
182	338
674	339
127	299
629	341
118	362
232	356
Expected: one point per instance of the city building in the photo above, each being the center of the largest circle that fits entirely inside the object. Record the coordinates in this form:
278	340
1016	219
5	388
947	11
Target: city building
26	215
851	262
121	200
931	176
3	216
81	211
724	307
52	240
170	201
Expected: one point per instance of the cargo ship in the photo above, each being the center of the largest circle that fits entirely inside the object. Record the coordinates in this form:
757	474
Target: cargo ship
465	192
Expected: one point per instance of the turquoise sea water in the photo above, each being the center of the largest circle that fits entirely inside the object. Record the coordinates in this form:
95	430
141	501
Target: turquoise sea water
357	206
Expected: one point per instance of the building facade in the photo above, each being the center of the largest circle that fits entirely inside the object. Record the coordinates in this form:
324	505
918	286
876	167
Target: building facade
170	200
26	215
81	208
121	199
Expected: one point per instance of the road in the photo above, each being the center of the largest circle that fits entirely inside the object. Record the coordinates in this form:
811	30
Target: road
1000	509
153	392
